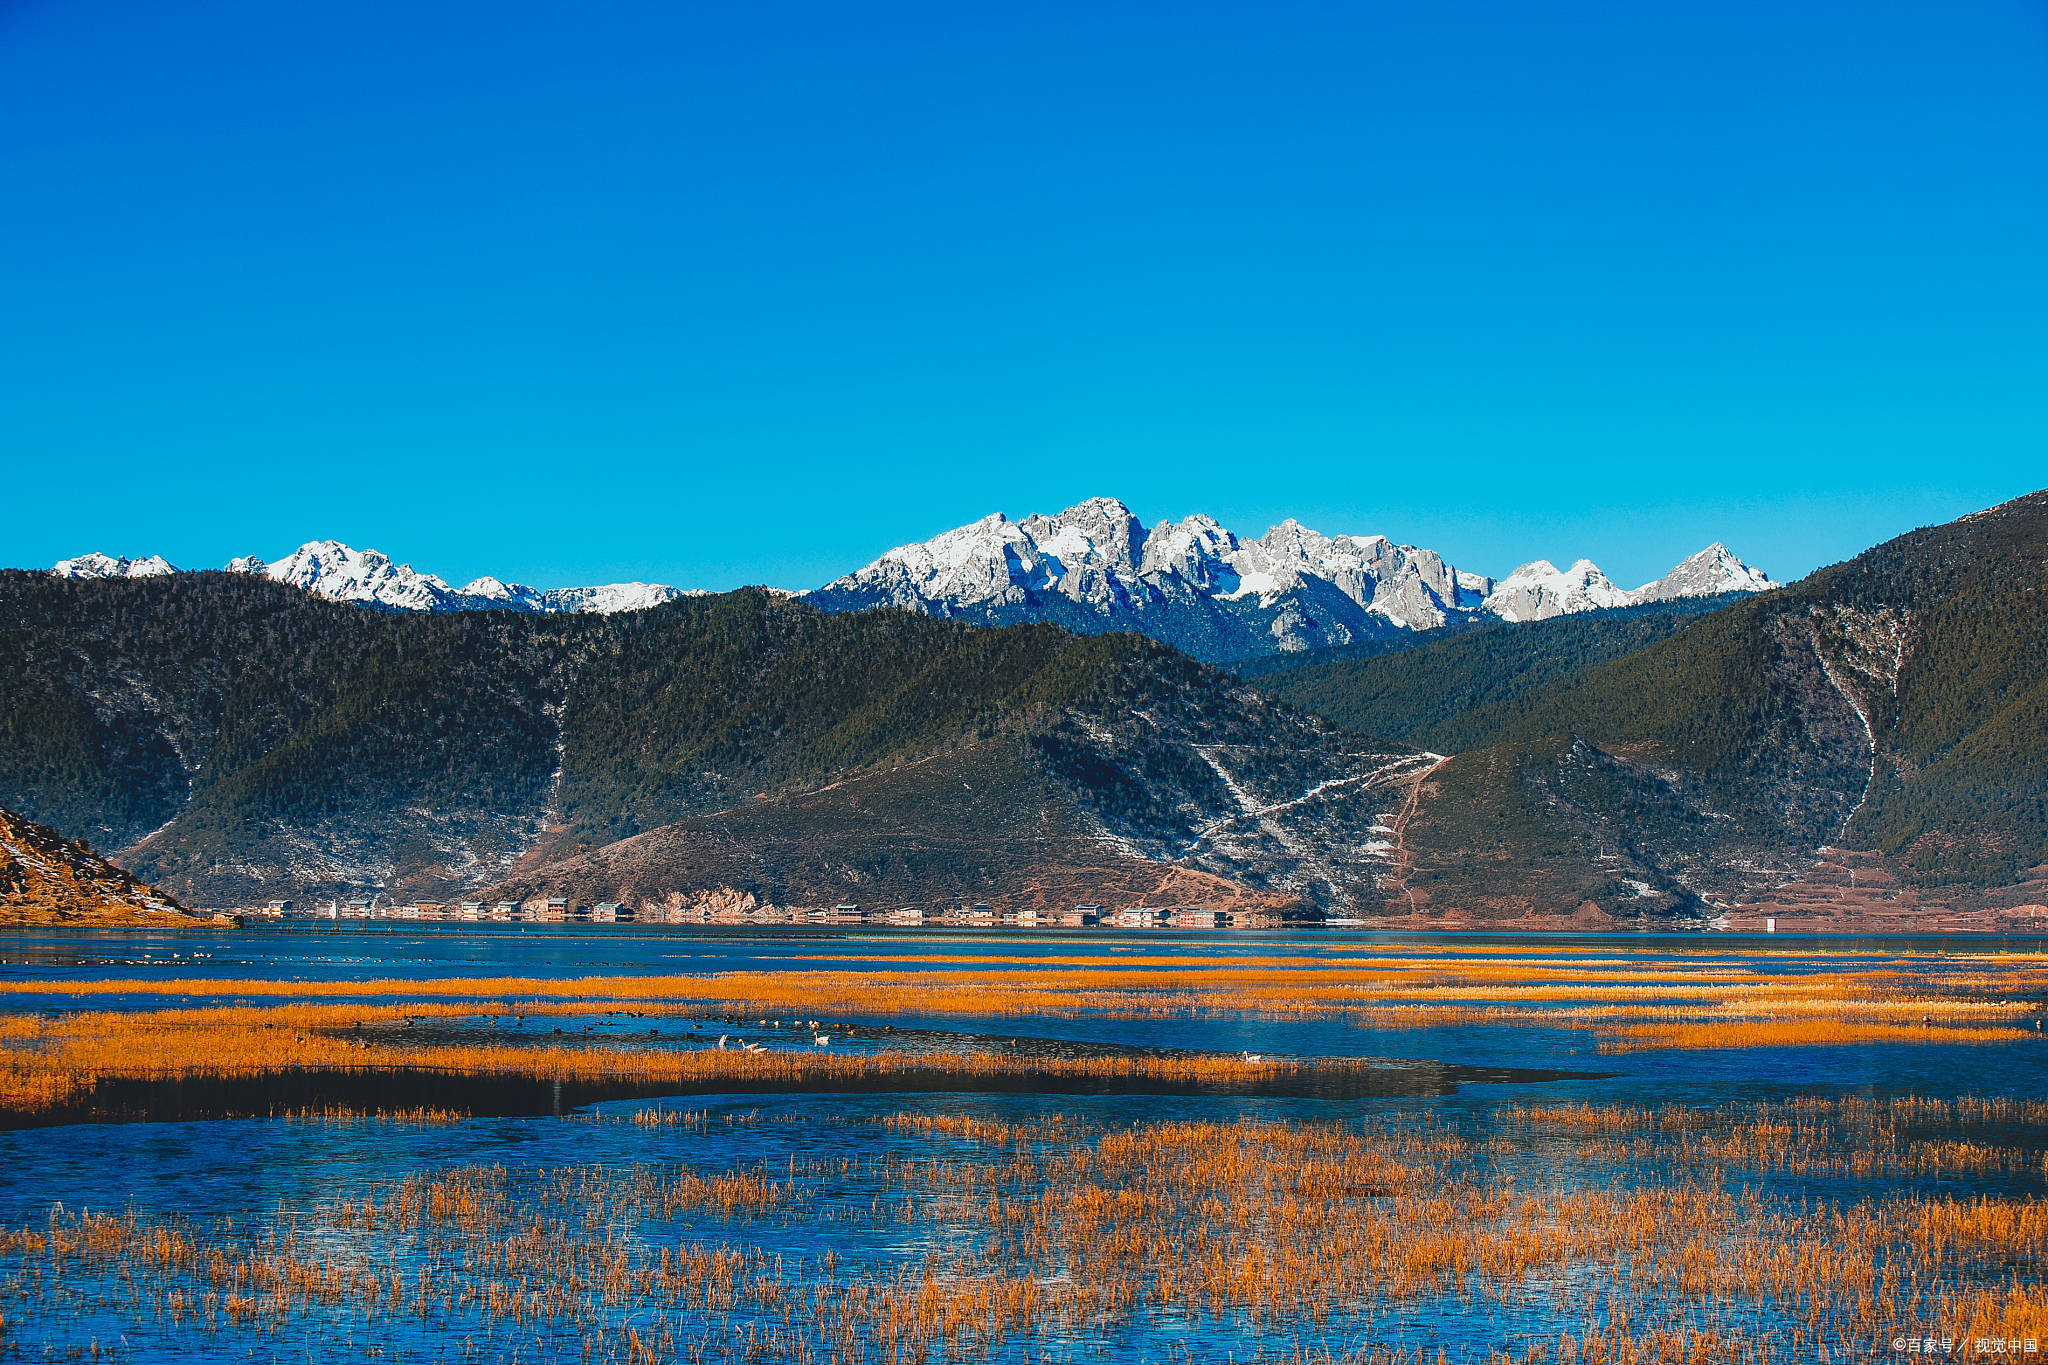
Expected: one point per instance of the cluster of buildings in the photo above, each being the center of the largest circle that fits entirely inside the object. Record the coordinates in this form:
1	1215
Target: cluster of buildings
552	910
563	910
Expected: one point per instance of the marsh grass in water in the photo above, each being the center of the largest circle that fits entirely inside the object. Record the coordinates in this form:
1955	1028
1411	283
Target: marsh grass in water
1532	1232
1038	1227
60	1066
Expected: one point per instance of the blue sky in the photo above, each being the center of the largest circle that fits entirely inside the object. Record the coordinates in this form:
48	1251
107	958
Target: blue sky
724	294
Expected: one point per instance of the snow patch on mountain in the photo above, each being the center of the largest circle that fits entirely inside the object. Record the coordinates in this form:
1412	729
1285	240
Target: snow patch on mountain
607	598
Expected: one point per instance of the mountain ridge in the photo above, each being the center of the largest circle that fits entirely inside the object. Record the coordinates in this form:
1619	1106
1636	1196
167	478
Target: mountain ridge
1869	740
1091	568
369	578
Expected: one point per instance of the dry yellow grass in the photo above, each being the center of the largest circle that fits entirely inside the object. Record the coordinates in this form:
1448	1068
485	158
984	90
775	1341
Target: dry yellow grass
1798	1033
1627	1005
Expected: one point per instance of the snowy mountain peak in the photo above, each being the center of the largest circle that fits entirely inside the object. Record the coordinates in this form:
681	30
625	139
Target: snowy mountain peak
1539	590
1100	530
97	565
494	592
607	598
1191	551
342	573
1712	571
1197	585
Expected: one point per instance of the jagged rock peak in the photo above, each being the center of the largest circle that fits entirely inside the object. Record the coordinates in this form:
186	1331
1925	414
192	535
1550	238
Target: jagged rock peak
341	573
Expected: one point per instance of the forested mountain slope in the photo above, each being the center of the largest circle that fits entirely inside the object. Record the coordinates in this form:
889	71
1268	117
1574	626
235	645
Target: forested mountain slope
747	718
1460	689
239	738
1896	704
243	740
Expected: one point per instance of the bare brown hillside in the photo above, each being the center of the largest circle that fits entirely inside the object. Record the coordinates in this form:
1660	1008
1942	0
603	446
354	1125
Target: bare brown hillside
47	879
979	827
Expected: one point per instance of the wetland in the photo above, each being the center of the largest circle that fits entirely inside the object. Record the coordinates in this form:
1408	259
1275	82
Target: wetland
638	1146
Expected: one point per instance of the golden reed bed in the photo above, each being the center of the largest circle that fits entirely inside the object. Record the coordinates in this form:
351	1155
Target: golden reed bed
273	1027
45	1064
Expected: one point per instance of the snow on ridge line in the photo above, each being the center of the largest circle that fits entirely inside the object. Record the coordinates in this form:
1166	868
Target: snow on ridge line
1540	589
97	565
341	573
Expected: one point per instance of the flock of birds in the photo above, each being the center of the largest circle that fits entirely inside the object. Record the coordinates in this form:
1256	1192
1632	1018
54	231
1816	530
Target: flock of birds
817	1039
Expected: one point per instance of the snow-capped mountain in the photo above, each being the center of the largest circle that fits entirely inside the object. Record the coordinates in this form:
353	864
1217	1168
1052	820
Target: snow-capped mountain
97	565
1709	573
1540	590
1095	567
341	573
1201	587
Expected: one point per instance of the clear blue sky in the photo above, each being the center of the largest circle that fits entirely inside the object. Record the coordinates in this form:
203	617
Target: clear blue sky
717	294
